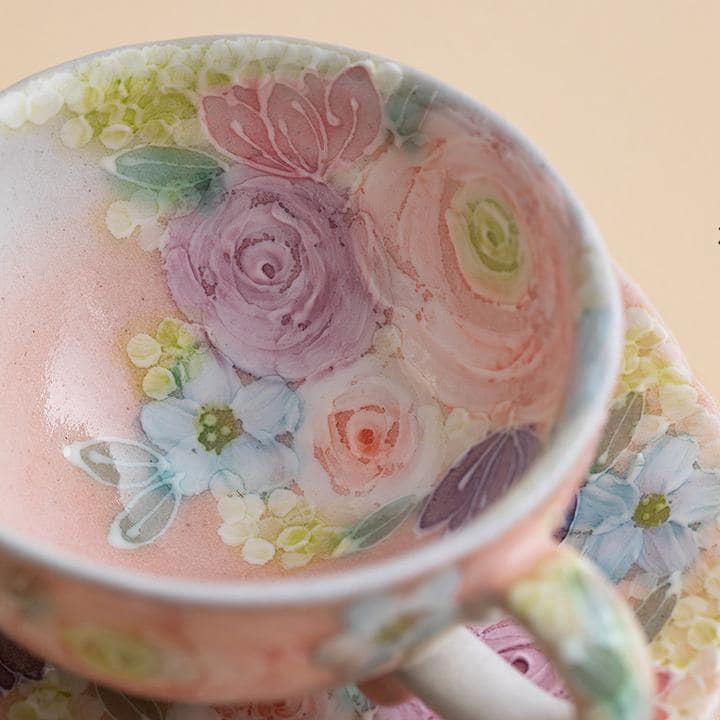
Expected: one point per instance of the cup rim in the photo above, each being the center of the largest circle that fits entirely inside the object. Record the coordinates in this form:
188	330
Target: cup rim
569	439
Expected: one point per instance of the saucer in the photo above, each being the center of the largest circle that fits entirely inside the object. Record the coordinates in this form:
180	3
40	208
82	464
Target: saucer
648	515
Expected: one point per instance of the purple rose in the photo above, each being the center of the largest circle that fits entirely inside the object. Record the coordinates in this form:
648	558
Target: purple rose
279	272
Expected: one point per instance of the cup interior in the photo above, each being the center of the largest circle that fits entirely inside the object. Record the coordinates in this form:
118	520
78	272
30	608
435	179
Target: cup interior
274	309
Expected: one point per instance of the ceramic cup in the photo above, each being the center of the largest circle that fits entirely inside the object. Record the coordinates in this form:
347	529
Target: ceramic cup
219	641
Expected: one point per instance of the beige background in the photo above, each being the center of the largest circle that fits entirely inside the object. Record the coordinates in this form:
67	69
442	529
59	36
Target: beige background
622	97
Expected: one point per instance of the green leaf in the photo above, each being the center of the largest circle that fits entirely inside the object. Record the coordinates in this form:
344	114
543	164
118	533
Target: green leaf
149	514
157	167
122	707
657	608
379	524
618	431
406	108
119	463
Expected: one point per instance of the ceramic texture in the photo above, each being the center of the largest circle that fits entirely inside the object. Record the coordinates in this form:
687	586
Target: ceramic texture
205	142
677	611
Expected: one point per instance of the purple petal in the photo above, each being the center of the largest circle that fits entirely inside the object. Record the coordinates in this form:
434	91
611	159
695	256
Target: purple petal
480	477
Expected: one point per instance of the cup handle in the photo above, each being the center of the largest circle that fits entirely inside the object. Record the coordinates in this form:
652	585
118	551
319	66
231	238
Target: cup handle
582	624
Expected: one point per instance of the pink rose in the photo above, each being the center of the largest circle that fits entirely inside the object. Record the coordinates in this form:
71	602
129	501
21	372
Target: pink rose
518	648
303	129
479	244
279	273
369	430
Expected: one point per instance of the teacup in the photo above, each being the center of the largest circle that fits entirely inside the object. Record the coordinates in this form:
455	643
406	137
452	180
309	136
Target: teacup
318	351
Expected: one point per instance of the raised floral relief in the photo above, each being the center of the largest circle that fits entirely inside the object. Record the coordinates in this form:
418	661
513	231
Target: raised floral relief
365	288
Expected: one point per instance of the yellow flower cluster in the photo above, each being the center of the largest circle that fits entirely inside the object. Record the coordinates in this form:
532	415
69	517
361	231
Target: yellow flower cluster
695	623
282	525
171	358
645	365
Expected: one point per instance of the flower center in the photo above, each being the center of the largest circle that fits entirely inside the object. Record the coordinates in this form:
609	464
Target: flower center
366	436
652	511
493	234
217	426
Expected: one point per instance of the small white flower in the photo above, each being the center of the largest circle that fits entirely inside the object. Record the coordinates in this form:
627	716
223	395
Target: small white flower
237	533
43	103
119	219
282	501
76	132
13	109
116	136
143	350
257	551
159	383
232	508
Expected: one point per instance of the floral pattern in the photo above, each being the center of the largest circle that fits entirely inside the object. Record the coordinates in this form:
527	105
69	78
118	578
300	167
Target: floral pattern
651	517
345	257
379	629
274	273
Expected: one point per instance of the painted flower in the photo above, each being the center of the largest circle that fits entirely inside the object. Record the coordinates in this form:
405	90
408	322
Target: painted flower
114	653
481	476
282	524
478	241
220	424
171	357
371	430
57	696
644	363
281	273
652	516
17	665
518	648
303	129
379	629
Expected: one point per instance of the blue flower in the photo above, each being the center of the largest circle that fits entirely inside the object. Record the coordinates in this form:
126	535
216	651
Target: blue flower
221	425
652	516
379	629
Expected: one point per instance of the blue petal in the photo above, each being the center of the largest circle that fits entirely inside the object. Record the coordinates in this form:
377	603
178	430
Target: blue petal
216	384
267	408
614	552
169	422
194	467
261	466
668	462
696	500
604	504
667	548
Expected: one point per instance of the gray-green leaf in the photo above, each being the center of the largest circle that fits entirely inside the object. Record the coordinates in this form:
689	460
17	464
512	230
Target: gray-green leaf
618	431
122	707
406	108
148	515
657	608
379	524
120	463
157	167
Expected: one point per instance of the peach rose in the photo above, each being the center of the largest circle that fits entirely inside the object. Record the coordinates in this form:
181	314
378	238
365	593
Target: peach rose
478	241
370	431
